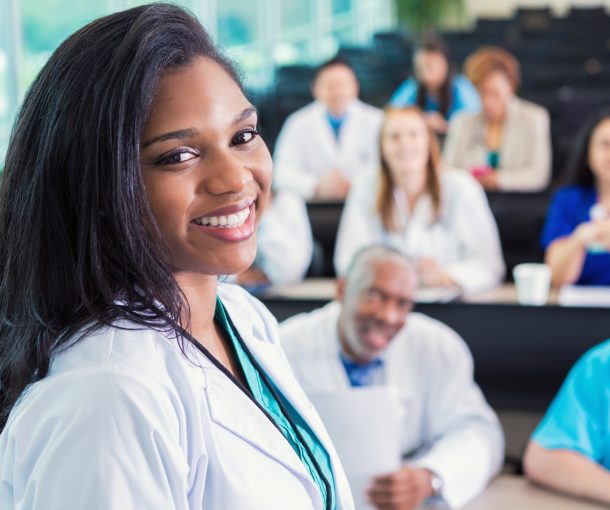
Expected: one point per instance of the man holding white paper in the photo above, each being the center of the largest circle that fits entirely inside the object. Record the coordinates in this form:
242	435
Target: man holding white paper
452	443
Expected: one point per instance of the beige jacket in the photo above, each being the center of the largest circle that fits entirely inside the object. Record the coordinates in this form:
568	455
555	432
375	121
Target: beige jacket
525	153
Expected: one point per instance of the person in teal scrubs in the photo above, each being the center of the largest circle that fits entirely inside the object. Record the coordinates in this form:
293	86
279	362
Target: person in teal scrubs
570	449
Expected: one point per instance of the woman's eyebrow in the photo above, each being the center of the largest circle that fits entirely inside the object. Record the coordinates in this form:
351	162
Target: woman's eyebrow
180	134
248	112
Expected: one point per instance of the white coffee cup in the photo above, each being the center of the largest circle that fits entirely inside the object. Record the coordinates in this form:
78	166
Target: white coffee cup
533	282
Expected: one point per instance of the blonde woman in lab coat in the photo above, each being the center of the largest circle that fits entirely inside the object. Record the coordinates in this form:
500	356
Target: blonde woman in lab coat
129	377
438	217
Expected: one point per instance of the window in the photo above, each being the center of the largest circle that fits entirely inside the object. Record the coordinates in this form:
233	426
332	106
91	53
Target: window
258	35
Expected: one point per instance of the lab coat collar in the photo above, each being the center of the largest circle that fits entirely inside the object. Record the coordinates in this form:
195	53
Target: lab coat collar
273	361
256	430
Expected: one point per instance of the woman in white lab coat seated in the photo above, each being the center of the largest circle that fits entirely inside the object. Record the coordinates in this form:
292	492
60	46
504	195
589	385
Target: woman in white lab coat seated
129	377
439	217
285	244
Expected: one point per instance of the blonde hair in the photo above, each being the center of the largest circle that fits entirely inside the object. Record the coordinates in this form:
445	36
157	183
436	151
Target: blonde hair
386	204
489	59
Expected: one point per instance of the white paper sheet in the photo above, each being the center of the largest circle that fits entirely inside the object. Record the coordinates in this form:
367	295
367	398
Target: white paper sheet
580	295
364	424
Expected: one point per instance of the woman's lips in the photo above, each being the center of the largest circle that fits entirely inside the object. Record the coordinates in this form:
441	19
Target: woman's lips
234	227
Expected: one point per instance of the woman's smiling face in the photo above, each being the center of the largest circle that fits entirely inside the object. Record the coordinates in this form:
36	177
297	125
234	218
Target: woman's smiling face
206	170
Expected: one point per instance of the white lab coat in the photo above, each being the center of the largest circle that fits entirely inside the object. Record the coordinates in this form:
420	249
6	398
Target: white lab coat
448	427
284	240
464	240
306	148
126	421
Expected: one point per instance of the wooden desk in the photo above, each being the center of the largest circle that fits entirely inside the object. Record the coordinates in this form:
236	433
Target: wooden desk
521	353
516	493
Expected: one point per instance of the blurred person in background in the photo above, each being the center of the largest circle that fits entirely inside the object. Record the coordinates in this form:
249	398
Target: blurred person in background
435	88
570	449
576	234
439	217
284	244
450	439
325	144
507	145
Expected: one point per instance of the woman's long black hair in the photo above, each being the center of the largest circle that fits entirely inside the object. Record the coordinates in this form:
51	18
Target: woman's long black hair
435	45
79	245
578	171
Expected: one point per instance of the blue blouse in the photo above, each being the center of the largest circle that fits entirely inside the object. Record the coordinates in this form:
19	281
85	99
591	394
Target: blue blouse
288	420
579	417
464	97
569	208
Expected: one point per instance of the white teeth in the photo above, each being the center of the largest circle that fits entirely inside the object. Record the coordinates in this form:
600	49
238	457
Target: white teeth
230	221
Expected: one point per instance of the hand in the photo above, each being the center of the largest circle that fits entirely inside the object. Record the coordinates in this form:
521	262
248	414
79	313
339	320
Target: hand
477	171
432	274
489	180
252	277
594	233
436	121
332	186
405	489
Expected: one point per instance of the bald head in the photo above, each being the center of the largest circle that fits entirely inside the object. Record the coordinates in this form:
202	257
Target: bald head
376	297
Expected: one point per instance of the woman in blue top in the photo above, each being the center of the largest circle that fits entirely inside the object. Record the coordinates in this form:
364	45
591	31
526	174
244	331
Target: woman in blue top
436	89
576	234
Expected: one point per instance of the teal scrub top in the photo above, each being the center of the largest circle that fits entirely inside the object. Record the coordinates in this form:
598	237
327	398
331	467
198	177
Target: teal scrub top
493	159
579	417
294	428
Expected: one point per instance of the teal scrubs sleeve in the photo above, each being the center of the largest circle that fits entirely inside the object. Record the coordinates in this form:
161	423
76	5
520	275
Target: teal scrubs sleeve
294	428
579	416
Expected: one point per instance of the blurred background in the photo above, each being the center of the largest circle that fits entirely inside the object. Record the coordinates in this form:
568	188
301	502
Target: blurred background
559	43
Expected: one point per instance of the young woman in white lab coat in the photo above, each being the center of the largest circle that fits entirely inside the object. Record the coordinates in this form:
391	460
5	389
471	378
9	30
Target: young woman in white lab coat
439	217
129	377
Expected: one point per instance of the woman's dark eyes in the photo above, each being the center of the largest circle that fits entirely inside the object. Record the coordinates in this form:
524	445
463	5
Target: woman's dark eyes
185	154
244	137
179	156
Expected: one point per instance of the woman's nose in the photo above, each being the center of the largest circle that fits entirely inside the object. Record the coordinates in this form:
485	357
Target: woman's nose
226	173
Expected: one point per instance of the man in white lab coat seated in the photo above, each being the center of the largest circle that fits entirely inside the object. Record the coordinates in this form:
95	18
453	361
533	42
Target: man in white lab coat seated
324	144
453	443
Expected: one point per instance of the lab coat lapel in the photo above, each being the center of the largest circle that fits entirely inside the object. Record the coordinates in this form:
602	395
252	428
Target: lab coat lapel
273	362
476	145
257	429
331	374
325	140
509	151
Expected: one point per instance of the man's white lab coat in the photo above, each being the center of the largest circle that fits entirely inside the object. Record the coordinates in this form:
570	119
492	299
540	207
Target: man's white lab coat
448	427
307	149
